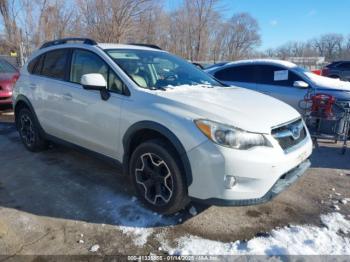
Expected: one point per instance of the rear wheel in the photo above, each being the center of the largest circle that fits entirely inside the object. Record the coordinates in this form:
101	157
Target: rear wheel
29	131
157	177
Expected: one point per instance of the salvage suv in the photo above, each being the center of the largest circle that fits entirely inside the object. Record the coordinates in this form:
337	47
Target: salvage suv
179	134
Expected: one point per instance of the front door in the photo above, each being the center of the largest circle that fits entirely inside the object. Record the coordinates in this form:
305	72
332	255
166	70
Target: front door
89	121
278	82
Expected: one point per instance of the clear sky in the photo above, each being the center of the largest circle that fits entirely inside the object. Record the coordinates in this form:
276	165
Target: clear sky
290	20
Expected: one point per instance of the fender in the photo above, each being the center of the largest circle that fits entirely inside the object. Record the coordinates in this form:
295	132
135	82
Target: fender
22	98
165	132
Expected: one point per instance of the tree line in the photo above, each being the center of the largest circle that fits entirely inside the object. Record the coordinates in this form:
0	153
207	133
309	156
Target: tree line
331	46
195	29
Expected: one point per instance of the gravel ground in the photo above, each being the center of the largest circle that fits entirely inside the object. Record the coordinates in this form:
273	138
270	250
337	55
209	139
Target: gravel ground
61	201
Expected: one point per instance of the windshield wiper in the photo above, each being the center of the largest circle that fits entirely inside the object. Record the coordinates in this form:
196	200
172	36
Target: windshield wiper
157	88
201	85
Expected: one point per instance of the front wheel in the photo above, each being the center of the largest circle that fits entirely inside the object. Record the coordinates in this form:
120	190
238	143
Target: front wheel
29	131
157	178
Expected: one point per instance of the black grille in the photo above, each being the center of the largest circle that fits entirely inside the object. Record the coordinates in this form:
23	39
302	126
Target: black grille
284	134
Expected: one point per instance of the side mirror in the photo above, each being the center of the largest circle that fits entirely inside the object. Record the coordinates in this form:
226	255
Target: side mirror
300	84
95	82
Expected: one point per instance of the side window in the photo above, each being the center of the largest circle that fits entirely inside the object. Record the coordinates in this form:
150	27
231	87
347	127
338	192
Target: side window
115	84
35	66
55	64
275	75
292	78
265	74
243	73
39	65
85	62
32	64
345	66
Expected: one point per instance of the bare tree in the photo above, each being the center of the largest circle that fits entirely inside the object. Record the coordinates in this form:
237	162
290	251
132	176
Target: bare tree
110	20
9	14
346	50
151	26
203	13
240	36
194	30
329	45
191	28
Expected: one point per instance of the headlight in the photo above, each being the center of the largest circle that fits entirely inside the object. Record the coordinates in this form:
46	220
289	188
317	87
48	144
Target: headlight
229	136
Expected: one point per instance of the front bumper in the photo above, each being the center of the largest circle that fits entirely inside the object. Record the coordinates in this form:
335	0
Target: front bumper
282	183
260	172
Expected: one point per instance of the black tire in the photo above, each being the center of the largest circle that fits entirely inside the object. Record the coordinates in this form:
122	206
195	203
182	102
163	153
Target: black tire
29	131
157	179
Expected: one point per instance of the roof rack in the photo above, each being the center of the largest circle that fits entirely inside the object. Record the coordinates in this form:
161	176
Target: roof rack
86	41
146	45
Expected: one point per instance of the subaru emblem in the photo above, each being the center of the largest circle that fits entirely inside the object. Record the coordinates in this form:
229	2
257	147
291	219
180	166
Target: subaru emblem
295	130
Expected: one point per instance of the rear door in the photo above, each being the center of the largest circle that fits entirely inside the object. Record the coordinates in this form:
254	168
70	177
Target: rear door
242	76
88	120
278	82
48	76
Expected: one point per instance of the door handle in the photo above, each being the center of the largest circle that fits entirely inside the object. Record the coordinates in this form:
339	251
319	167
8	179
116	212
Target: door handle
32	85
67	96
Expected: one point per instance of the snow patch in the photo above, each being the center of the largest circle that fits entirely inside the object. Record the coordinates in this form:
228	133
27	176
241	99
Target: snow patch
94	248
336	222
336	207
138	234
292	240
129	216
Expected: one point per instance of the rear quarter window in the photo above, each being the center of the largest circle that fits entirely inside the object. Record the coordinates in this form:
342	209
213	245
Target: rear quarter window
55	64
35	66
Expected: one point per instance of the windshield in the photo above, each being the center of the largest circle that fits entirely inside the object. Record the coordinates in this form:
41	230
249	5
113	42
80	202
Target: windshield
305	72
158	70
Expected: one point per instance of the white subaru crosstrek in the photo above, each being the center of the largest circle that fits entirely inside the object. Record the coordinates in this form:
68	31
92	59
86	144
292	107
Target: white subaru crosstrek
178	133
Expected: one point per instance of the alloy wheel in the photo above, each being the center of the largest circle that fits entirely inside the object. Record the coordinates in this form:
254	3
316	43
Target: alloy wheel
154	178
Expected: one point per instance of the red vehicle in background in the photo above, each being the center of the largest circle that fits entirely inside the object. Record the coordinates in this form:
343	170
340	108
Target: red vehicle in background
8	77
317	71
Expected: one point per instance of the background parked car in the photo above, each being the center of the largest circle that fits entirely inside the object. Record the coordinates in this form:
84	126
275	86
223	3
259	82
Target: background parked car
8	77
338	69
317	71
216	65
280	79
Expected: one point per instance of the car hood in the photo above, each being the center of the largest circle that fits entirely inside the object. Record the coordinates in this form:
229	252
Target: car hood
328	83
234	106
